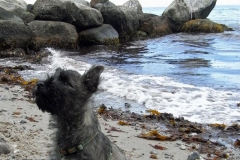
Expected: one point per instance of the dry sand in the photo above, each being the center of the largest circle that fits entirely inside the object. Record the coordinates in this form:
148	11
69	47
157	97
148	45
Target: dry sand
22	125
25	128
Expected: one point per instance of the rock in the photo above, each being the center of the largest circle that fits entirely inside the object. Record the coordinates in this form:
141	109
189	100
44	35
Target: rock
168	116
155	25
200	9
14	35
1	139
54	34
82	17
133	12
39	57
2	110
7	15
183	147
178	11
202	25
226	28
133	7
125	18
153	156
27	17
127	105
153	152
23	121
29	8
4	148
79	3
22	68
15	52
181	11
168	155
14	6
49	10
94	2
194	156
114	16
105	35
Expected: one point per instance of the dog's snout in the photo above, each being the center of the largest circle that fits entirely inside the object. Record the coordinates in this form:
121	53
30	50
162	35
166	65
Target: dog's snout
40	84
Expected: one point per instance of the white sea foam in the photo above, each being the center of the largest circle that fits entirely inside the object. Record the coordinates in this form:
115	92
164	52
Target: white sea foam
57	60
198	104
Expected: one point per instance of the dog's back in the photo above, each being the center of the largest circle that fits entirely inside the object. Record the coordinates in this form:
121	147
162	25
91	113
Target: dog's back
118	153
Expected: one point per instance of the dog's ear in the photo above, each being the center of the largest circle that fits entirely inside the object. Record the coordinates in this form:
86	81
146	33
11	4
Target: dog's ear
58	71
91	78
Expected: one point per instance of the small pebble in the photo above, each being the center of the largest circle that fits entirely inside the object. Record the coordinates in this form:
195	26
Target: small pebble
153	156
153	152
183	147
167	155
179	144
23	121
2	139
23	127
3	110
136	128
194	155
127	105
4	148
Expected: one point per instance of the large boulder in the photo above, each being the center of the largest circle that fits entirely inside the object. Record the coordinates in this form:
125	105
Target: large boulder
7	15
154	25
133	12
27	17
125	18
103	35
49	10
114	16
202	25
14	6
200	9
54	34
14	35
181	11
133	7
83	17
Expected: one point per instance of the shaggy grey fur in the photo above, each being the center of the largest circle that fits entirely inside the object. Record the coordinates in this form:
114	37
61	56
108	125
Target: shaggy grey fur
66	95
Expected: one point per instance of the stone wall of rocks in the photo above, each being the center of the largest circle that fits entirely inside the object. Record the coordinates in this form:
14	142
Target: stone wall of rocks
68	24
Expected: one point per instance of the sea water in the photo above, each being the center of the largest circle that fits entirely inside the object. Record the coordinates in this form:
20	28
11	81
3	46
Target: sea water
191	75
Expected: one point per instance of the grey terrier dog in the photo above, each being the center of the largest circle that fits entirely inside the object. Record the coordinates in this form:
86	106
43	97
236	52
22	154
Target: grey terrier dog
65	95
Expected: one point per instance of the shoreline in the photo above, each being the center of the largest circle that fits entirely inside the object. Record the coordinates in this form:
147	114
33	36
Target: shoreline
25	128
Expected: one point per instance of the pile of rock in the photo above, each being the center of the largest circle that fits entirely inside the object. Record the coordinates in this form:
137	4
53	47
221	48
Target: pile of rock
68	24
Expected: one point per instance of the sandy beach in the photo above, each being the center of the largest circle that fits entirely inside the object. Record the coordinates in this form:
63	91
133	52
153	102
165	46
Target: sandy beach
24	128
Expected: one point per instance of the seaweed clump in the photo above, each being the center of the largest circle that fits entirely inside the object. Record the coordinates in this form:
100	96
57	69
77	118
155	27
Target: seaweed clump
202	26
10	76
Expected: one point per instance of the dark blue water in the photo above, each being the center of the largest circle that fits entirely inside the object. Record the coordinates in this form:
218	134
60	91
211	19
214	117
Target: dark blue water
210	60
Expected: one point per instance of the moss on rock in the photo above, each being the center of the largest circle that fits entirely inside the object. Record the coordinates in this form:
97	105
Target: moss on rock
202	26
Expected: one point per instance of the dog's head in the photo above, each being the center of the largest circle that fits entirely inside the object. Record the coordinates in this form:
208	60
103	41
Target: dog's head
66	89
